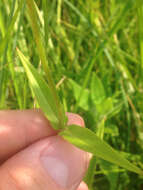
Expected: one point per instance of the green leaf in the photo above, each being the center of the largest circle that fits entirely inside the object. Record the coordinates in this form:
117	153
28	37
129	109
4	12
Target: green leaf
34	21
88	141
83	103
105	106
97	90
41	91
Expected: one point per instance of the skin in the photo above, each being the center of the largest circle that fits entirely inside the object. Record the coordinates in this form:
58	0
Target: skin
34	157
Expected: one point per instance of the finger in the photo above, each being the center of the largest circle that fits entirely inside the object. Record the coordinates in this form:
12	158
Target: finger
50	164
18	129
82	186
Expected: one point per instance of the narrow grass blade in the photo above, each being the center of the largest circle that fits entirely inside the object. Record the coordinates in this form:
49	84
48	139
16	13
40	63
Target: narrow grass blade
89	178
87	140
76	10
10	28
140	17
41	91
42	55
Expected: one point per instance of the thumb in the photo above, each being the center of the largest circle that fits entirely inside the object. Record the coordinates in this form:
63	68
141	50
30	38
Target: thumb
52	163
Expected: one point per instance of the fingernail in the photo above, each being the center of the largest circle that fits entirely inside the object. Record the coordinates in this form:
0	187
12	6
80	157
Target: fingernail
75	119
64	163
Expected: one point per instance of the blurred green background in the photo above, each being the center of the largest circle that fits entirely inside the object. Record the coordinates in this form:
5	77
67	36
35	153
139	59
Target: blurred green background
95	52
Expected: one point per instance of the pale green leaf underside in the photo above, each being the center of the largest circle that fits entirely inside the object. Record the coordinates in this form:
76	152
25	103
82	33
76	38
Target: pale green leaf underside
88	141
41	91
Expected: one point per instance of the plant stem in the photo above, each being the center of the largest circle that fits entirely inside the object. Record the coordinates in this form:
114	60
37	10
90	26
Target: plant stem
42	55
140	20
59	12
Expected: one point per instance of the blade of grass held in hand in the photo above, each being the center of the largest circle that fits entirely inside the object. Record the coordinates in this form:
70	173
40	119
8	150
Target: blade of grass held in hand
34	21
41	91
87	140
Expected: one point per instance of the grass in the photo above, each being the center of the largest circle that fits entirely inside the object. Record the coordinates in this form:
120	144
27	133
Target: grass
83	39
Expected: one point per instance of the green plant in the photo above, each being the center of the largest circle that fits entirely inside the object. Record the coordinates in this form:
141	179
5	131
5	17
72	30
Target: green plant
92	51
48	100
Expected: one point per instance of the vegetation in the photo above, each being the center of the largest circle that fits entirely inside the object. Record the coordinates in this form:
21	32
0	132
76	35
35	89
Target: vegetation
94	50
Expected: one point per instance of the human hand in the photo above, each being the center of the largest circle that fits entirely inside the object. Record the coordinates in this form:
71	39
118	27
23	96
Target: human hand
33	157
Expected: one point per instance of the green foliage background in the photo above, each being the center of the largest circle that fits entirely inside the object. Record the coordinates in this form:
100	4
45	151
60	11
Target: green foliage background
95	52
